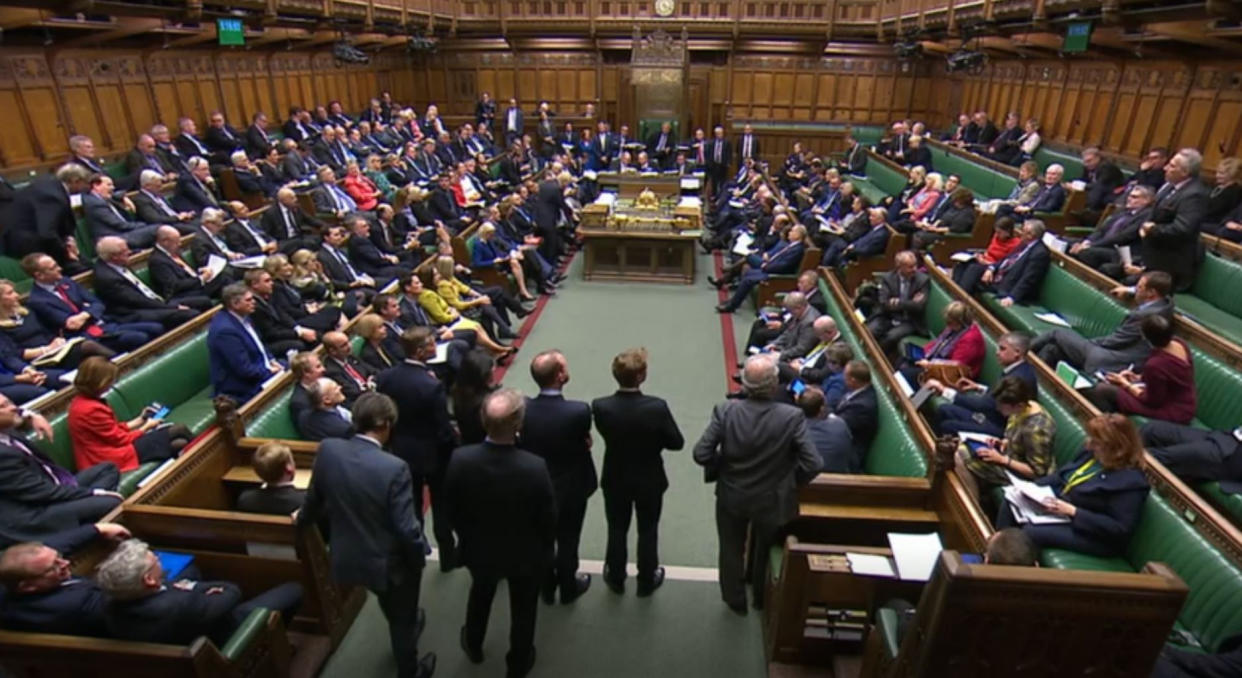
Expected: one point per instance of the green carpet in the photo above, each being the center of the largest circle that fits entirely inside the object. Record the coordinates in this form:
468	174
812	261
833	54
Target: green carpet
684	629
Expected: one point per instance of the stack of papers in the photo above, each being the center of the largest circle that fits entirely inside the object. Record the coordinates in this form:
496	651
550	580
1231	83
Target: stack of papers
1026	500
1054	243
864	563
915	554
1127	258
1071	376
690	201
1053	319
741	246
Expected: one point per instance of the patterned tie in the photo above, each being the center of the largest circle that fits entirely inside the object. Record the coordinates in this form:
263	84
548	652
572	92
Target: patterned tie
62	291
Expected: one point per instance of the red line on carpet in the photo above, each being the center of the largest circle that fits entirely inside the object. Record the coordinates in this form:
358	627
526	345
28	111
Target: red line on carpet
528	323
726	329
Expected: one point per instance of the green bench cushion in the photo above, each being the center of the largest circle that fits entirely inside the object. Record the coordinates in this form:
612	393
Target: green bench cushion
274	422
197	413
984	181
173	379
1229	504
130	479
245	633
1072	163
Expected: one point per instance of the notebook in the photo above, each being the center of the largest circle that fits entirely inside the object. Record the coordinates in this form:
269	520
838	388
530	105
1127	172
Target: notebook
172	563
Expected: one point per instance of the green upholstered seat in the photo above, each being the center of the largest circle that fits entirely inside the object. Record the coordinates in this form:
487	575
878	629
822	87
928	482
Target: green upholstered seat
882	181
1213	300
984	181
1072	162
11	270
274	421
178	378
245	634
886	623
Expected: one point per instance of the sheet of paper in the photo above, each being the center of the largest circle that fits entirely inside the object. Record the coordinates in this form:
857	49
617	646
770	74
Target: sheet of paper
69	376
962	257
915	554
971	435
865	563
75	200
905	385
691	183
250	262
859	314
1127	257
1054	243
156	473
949	394
441	354
741	246
216	263
1053	319
921	397
1078	185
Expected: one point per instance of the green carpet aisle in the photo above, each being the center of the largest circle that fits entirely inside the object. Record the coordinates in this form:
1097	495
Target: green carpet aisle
684	630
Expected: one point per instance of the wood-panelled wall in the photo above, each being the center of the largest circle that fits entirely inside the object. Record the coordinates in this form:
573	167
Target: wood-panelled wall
113	96
1126	107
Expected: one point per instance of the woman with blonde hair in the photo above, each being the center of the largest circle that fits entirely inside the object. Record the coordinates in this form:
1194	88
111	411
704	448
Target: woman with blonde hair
442	313
374	333
316	315
490	251
375	172
309	279
488	305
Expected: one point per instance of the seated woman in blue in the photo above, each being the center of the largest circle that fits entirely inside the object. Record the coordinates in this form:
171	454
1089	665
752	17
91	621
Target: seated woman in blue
1101	491
491	252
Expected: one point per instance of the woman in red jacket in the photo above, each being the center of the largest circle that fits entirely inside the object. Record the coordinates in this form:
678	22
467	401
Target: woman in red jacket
960	343
96	434
361	189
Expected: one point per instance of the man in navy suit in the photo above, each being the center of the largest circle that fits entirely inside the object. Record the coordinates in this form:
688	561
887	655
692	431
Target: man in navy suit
424	435
859	409
42	220
37	496
971	406
368	258
782	259
239	361
41	593
868	244
62	303
559	431
368	499
142	608
499	500
717	158
105	215
326	418
636	429
1019	277
196	189
1049	198
131	299
514	122
829	434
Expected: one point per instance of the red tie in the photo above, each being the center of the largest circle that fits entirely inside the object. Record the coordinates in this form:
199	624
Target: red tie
92	329
354	374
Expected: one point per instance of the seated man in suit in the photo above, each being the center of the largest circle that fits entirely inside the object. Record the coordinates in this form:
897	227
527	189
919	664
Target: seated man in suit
251	180
41	593
244	234
65	306
369	259
129	298
196	189
768	326
145	609
292	228
211	238
82	151
337	265
221	137
859	409
306	368
343	367
299	164
1193	454
326	418
174	279
238	360
830	434
815	367
145	156
273	462
971	407
1121	349
1100	249
331	198
39	497
870	243
278	330
1018	277
1049	198
188	143
154	208
257	142
798	336
782	259
899	309
168	151
104	216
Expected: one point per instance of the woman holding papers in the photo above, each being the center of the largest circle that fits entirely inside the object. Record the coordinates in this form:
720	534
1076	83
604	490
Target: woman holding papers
1164	388
1026	449
98	436
38	345
441	313
958	350
1096	499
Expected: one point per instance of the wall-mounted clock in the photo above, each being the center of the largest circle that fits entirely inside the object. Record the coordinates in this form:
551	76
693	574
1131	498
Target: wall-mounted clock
665	7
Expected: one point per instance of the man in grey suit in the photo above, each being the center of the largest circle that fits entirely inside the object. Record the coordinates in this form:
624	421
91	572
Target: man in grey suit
759	451
106	217
1170	241
367	497
1124	346
798	337
899	310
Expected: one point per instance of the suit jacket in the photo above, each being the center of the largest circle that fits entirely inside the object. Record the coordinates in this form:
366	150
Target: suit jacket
368	258
151	210
257	142
423	436
295	131
241	239
335	270
519	119
860	412
236	362
1102	185
75	608
124	299
1025	276
784	258
710	155
41	220
754	148
318	424
203	246
191	146
1173	245
103	220
1127	338
548	204
136	161
832	440
559	431
367	497
1048	199
1108	505
272	323
636	429
194	196
987	133
297	167
1120	229
798	336
334	371
907	310
223	140
281	500
27	491
52	311
273	223
499	500
174	616
326	200
760	452
872	242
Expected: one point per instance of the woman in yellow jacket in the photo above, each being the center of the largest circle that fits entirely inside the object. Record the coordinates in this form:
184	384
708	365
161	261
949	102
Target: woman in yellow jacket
442	313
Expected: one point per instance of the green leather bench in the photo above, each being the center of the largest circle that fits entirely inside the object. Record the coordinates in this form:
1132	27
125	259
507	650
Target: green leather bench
882	181
1072	162
1213	300
985	182
275	421
11	270
179	379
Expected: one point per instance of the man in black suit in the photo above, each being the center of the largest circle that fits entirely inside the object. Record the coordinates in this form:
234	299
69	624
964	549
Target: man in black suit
273	463
41	593
1103	181
514	122
500	502
142	608
42	219
244	234
341	366
257	142
768	326
987	130
187	143
899	308
145	156
299	164
747	146
717	157
424	435
222	139
196	189
814	367
829	434
859	409
338	267
1100	249
368	258
368	499
289	225
970	405
559	431
82	152
167	149
636	429
278	330
1019	277
108	214
326	418
549	205
38	497
1171	239
153	208
307	369
174	279
128	298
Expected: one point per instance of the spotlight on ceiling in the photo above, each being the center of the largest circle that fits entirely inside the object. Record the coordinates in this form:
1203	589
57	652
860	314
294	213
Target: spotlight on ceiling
344	52
965	60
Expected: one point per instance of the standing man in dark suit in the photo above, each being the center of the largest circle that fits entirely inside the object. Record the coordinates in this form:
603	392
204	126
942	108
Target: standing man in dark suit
636	429
758	451
423	436
549	204
1171	239
273	463
499	500
971	406
42	218
717	159
368	499
514	122
747	146
902	298
41	593
559	431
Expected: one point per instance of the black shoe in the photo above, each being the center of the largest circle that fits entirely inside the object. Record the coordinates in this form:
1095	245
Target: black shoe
646	588
522	312
549	592
579	586
506	334
426	665
448	560
714	282
614	584
739	609
521	671
474	655
721	308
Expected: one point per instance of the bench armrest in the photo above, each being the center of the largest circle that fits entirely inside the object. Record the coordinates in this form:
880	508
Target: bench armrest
251	628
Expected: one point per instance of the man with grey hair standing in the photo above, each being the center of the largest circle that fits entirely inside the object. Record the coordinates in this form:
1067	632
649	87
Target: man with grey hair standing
1171	238
759	452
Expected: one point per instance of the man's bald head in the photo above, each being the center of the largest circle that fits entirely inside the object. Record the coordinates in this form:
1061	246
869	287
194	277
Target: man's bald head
502	412
549	369
760	376
825	327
